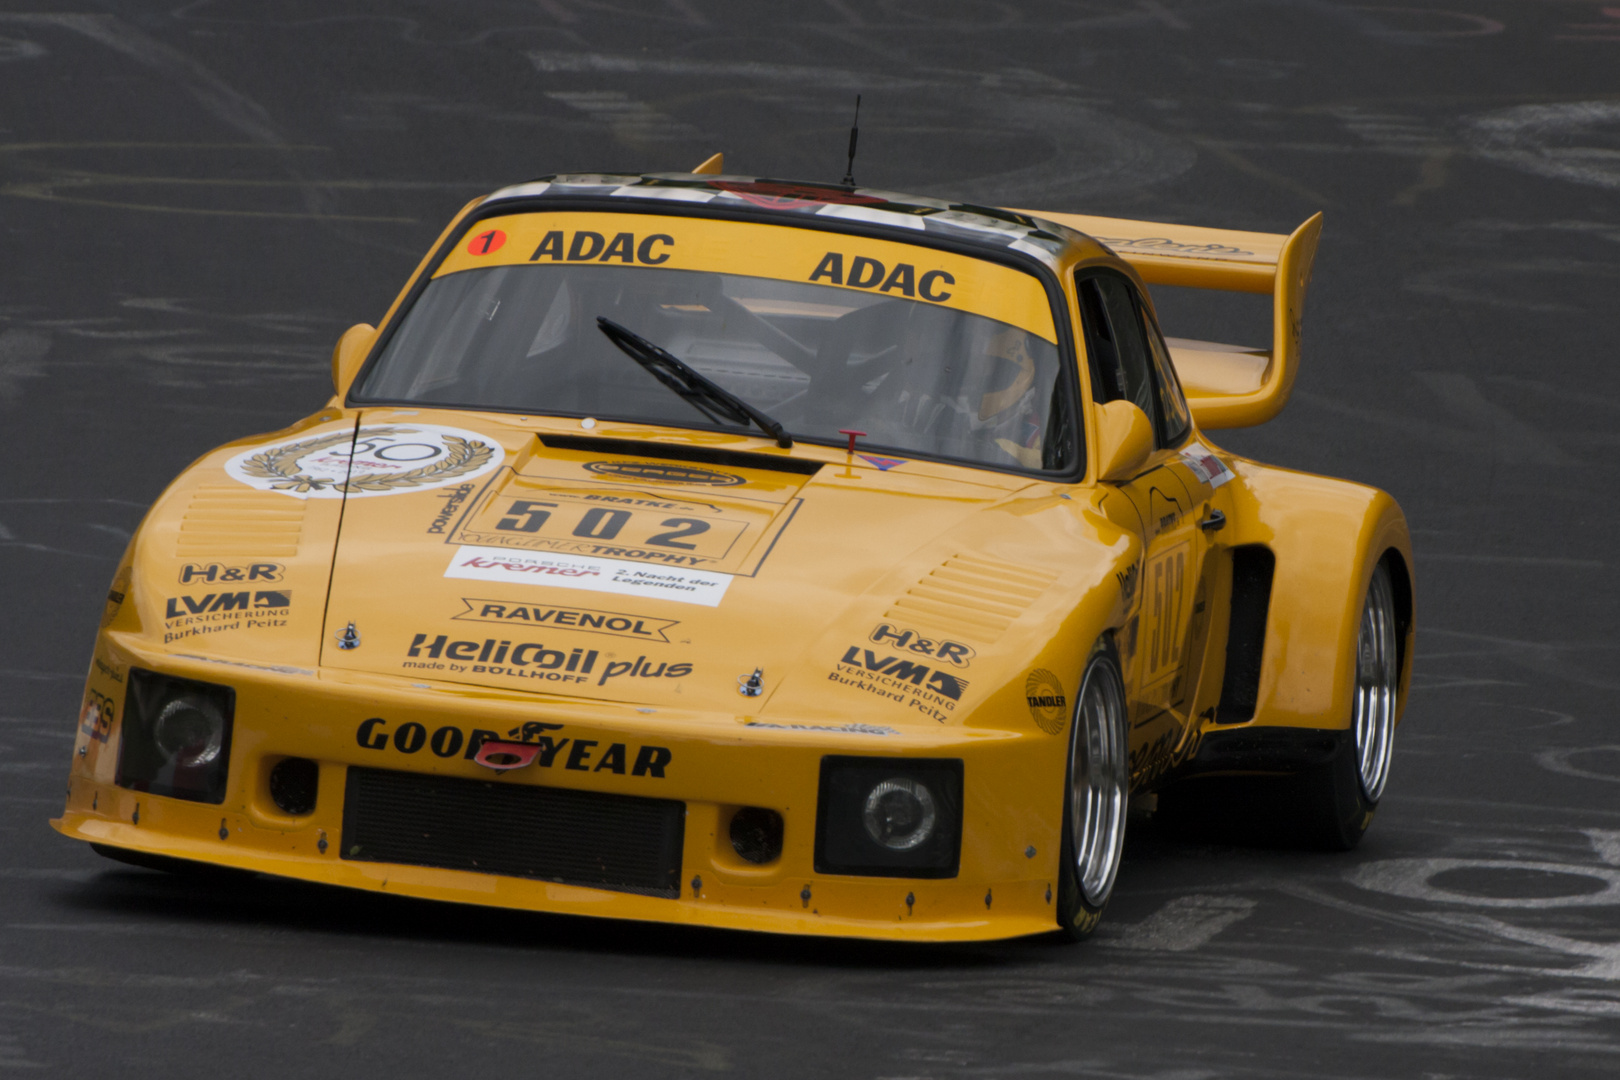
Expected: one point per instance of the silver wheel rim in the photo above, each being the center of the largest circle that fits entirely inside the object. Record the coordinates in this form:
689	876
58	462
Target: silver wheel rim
1098	776
1377	674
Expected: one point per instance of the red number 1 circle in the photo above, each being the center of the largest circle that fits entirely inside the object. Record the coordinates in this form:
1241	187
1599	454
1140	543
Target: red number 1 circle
486	243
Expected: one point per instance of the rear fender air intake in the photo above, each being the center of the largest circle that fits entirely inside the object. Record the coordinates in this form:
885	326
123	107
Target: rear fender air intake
1252	568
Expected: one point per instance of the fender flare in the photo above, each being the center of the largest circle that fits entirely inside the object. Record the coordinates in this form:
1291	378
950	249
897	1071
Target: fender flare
1328	536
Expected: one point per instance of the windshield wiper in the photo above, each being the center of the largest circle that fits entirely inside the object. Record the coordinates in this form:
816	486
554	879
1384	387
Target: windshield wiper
713	401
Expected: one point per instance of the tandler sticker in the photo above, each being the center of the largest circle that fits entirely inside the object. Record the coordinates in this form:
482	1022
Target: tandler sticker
560	571
382	459
1048	704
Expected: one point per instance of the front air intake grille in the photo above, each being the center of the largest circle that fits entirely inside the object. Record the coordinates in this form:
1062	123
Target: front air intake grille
618	842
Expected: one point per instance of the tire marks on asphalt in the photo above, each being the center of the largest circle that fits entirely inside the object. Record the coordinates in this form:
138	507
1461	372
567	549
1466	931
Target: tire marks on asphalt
1184	924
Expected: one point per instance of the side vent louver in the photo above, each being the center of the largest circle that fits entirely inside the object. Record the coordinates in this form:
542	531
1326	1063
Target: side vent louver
972	594
236	520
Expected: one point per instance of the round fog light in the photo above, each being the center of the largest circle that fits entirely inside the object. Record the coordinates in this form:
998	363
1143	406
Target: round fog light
899	813
189	732
756	834
293	784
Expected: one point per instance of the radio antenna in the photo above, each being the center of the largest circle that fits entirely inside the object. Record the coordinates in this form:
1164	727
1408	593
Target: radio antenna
854	135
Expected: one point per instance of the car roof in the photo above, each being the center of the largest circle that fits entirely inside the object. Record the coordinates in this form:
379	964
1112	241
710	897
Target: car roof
753	196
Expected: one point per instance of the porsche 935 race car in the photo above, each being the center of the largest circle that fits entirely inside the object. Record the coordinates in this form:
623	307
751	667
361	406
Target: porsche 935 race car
789	557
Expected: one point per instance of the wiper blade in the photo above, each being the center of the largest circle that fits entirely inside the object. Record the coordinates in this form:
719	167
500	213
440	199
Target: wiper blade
713	401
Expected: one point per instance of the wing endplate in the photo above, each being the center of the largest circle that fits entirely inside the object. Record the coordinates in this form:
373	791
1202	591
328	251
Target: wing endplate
1226	386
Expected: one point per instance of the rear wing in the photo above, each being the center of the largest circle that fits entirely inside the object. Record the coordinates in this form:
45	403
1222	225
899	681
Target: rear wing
1227	386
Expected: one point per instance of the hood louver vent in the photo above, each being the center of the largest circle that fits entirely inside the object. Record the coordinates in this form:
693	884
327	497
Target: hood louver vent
238	521
972	595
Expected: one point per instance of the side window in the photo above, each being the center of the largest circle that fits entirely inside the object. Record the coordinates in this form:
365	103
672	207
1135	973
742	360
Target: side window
1114	333
1129	360
1177	418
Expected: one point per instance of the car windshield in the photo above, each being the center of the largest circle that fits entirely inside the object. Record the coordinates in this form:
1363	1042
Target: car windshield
928	352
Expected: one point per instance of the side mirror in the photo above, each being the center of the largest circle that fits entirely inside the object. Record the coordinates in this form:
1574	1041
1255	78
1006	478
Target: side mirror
349	354
1124	440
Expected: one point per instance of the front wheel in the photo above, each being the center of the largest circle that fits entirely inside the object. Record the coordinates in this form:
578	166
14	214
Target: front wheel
1095	795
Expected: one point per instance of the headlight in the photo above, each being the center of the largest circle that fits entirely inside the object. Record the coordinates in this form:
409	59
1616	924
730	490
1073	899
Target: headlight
889	817
899	813
189	732
176	737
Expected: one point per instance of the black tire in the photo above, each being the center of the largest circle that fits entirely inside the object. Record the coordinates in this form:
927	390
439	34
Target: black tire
1094	808
1333	808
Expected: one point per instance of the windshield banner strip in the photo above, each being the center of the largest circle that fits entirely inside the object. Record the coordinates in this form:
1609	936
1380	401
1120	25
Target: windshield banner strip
881	267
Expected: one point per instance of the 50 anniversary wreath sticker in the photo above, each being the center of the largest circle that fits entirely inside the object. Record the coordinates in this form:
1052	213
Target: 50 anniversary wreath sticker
379	460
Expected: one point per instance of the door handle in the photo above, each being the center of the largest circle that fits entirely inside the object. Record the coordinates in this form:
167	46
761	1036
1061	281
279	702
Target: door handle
1215	520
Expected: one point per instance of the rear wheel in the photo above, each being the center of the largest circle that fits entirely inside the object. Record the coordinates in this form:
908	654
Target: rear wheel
1378	674
1342	795
1094	798
1328	805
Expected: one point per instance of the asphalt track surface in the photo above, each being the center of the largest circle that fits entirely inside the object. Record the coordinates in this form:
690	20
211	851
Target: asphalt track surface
195	201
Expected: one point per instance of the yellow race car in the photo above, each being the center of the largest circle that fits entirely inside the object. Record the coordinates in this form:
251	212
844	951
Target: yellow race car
792	557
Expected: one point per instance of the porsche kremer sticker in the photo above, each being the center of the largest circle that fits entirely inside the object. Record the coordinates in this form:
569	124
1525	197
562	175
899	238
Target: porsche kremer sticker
390	459
559	571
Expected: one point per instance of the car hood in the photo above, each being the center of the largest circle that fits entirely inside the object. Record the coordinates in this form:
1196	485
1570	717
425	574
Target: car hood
604	567
659	568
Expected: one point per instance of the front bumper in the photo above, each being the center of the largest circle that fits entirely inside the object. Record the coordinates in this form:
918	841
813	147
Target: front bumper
1012	800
